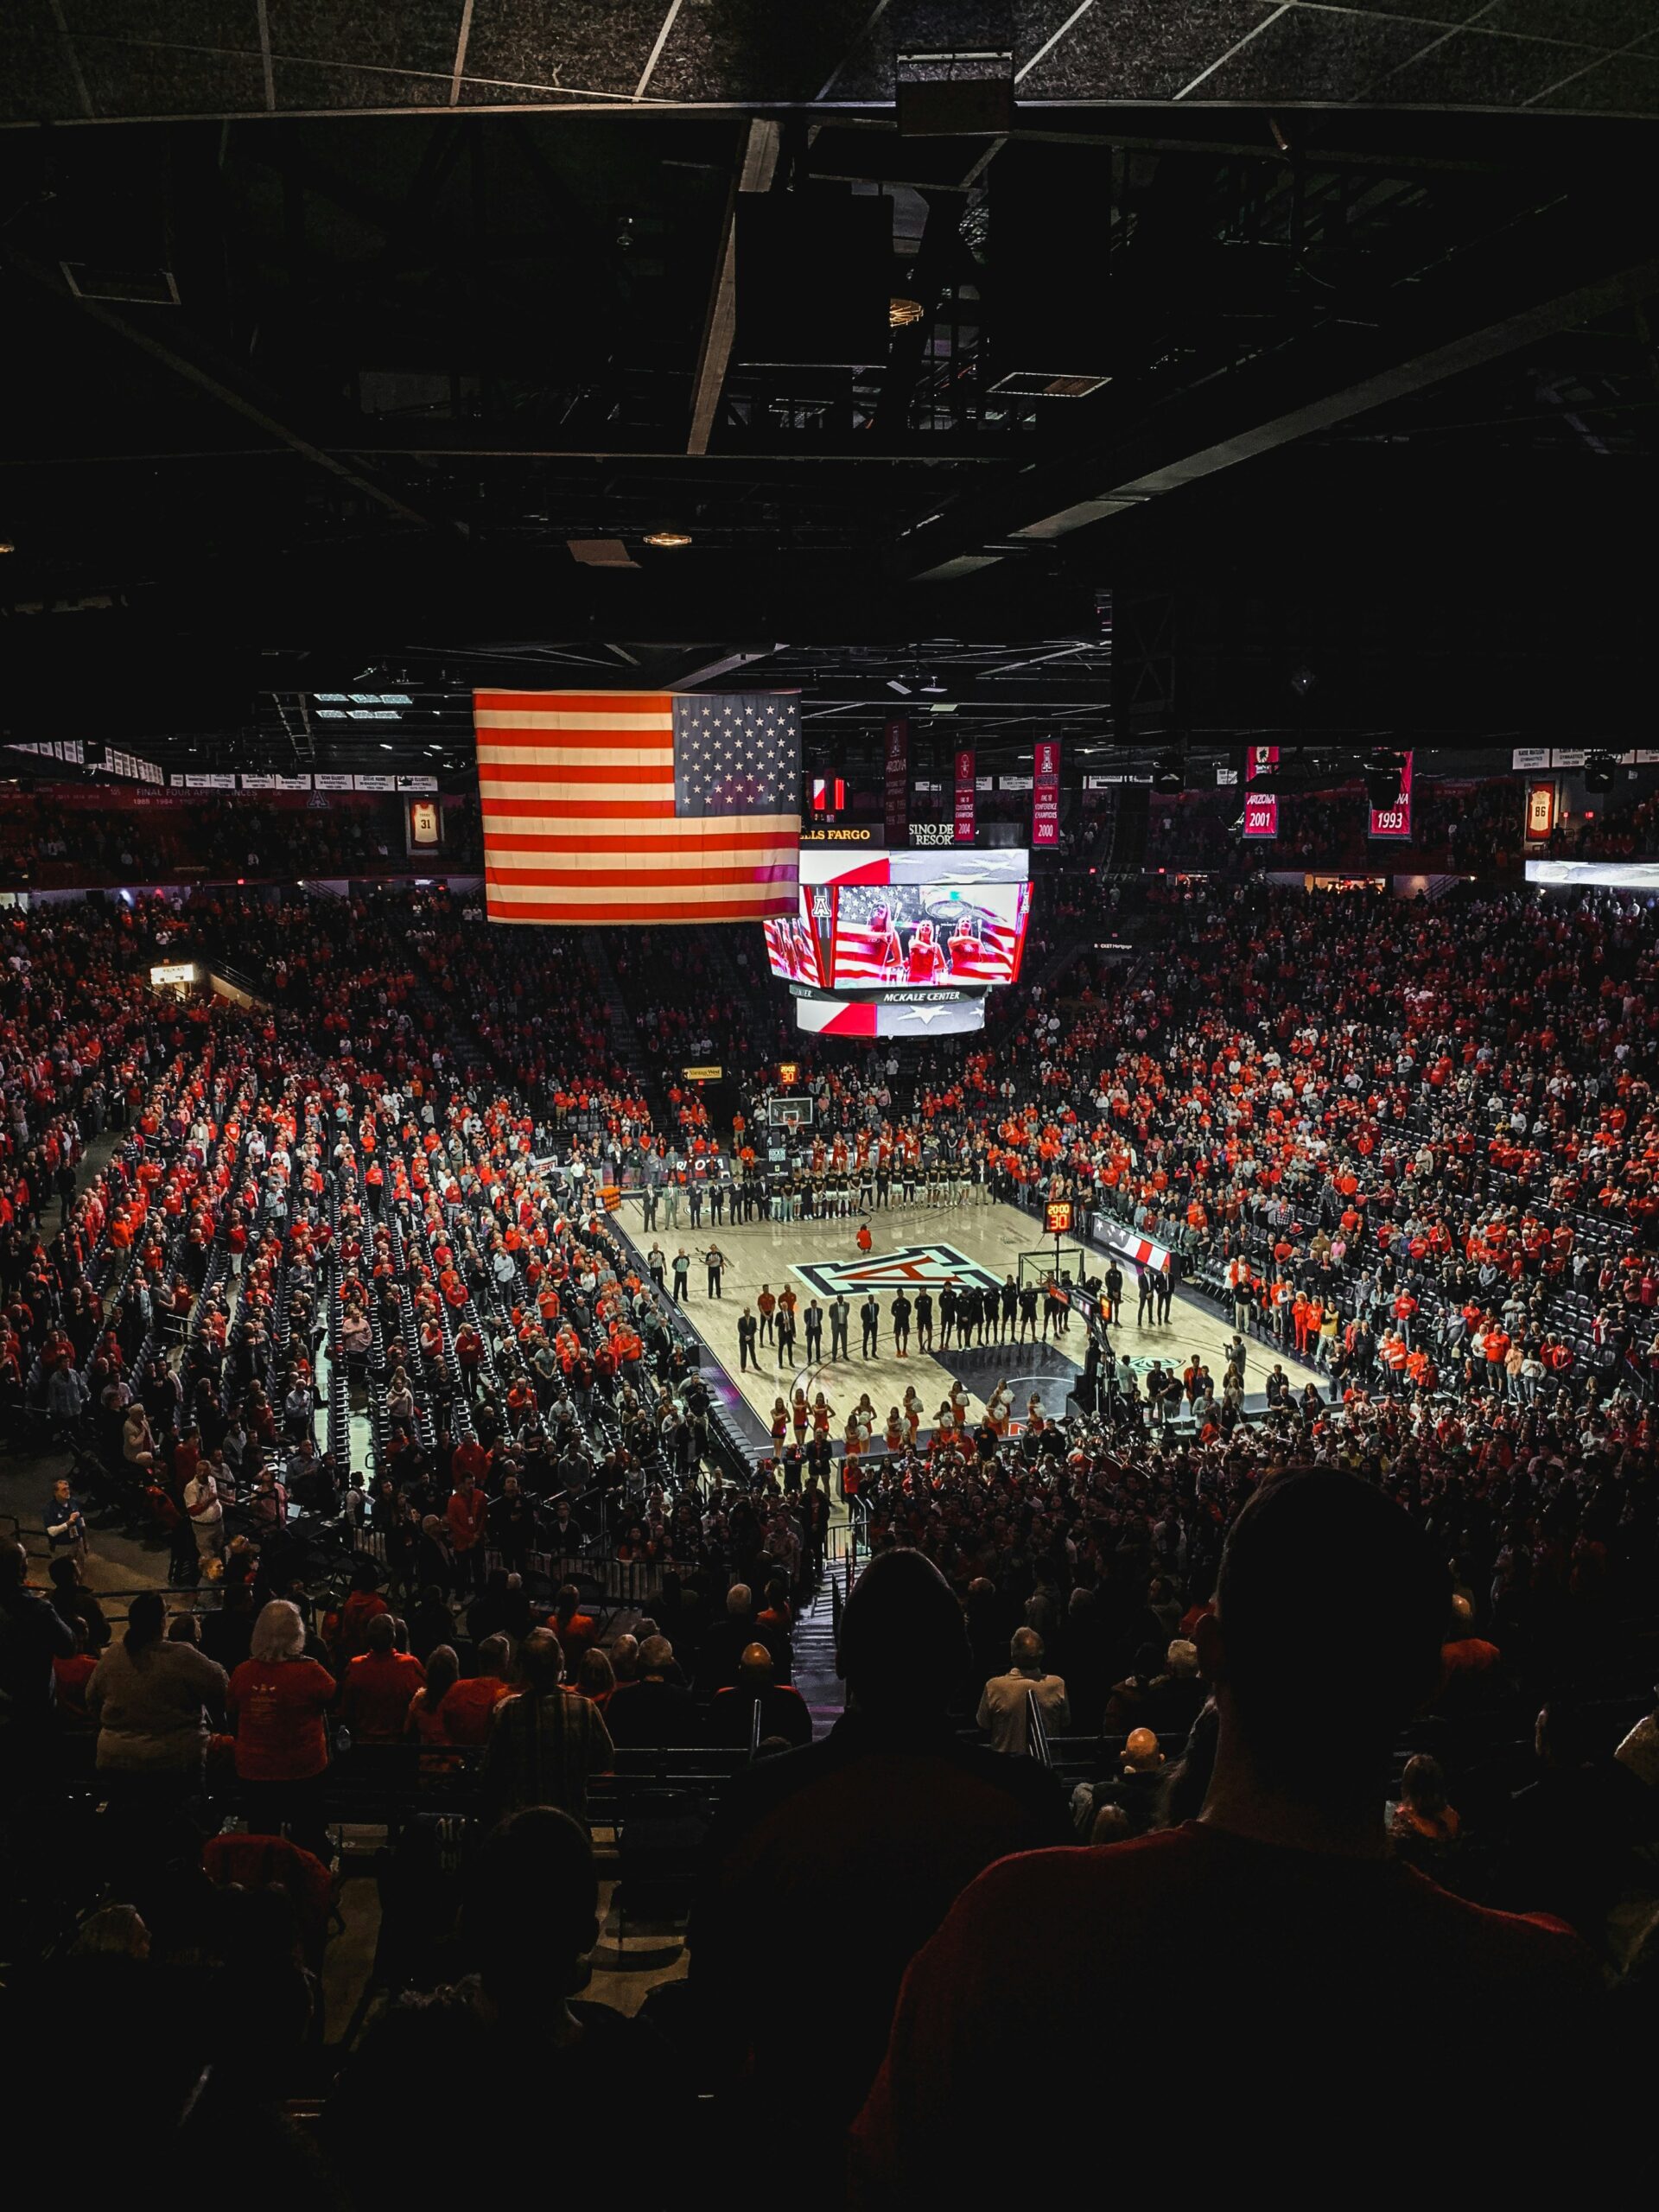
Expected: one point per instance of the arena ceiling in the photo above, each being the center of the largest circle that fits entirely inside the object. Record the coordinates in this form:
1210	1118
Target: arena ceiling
98	61
1316	337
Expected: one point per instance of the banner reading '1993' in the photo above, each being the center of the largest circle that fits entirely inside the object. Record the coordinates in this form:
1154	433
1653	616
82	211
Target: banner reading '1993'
1396	821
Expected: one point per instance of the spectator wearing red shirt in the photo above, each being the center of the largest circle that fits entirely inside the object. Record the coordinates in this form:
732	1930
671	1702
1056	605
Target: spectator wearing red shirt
276	1700
578	1632
465	1714
363	1605
471	1458
375	1696
464	1514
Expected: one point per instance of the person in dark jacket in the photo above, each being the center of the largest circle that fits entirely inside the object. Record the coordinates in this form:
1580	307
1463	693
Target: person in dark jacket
891	1786
784	1716
33	1633
656	1709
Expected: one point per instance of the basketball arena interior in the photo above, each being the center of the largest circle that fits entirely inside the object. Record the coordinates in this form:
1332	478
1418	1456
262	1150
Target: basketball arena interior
829	1151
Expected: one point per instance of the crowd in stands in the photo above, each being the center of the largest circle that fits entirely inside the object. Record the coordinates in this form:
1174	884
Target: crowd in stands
1354	1685
1622	824
73	838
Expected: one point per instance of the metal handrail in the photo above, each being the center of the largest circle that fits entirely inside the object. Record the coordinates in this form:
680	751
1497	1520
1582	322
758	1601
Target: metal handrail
1037	1743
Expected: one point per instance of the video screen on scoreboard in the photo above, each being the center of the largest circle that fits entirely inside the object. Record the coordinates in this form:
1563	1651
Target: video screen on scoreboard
792	947
920	934
914	919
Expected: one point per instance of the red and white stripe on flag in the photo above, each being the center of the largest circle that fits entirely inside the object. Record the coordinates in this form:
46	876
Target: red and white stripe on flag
584	821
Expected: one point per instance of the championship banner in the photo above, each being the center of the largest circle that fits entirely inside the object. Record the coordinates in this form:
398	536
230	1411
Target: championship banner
1394	820
966	796
897	756
1046	792
1261	808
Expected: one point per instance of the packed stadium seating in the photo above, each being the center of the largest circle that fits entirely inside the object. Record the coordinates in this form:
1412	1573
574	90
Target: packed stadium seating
283	1280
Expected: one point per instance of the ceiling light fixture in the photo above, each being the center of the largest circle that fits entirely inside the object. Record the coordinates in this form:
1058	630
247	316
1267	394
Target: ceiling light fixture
667	537
1169	775
902	313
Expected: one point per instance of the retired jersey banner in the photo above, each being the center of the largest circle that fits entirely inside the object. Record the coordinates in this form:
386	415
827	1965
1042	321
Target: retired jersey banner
1261	808
1394	820
422	825
1046	792
896	754
966	796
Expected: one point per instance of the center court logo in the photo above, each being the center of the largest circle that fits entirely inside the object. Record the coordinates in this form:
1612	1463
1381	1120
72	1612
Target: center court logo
912	1267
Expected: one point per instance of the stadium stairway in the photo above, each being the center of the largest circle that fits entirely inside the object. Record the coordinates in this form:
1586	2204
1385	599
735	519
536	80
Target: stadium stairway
742	988
814	1645
624	1035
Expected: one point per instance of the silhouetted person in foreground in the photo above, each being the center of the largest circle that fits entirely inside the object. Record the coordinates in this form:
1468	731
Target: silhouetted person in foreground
1264	1994
859	1843
565	2080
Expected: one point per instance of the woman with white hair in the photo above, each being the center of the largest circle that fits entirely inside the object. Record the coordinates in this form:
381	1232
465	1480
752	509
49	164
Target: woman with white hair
276	1699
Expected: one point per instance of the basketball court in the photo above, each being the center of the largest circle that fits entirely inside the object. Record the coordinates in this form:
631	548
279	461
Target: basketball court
918	1246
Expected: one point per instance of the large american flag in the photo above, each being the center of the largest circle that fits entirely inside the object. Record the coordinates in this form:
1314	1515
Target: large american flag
639	806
